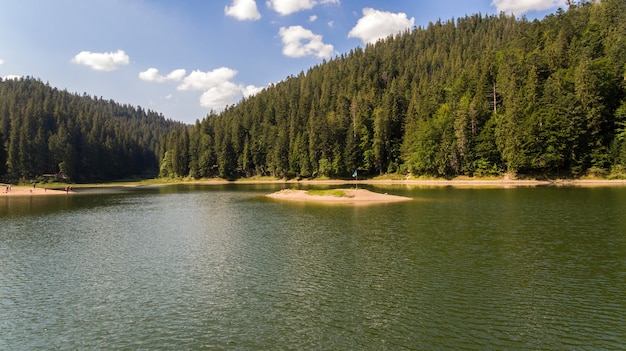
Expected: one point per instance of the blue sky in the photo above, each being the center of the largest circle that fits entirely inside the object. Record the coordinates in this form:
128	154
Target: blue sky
183	58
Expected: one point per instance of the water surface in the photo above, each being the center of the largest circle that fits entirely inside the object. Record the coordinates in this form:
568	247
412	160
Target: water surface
222	267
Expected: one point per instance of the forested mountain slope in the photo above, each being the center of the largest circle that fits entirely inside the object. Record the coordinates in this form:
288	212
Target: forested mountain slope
474	96
47	131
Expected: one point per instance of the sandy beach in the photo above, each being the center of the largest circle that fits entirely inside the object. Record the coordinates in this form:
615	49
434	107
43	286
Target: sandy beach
352	196
29	191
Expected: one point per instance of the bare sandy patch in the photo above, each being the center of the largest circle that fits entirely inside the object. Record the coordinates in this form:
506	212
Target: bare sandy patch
349	196
29	191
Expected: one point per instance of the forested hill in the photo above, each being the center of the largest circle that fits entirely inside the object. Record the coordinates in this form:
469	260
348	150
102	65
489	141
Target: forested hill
47	131
474	96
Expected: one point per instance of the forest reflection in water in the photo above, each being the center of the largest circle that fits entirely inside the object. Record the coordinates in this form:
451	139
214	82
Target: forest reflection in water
218	267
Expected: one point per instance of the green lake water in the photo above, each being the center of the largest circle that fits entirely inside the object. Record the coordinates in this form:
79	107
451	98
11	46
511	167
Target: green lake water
208	267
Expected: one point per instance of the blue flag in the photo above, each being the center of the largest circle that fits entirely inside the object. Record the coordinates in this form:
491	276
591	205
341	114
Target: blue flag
354	174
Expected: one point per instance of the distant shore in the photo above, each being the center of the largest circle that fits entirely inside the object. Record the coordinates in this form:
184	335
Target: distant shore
467	182
23	190
41	189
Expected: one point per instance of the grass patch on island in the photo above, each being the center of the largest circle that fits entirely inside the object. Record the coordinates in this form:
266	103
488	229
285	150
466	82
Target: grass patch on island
330	192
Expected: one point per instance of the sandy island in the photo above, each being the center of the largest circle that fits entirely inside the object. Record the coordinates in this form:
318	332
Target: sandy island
352	196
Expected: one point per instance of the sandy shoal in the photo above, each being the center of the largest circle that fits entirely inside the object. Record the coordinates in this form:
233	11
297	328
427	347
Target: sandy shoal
353	196
29	191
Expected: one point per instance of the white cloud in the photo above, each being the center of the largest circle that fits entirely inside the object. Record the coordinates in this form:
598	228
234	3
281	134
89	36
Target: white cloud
243	10
227	93
11	77
250	90
312	18
331	24
152	75
520	7
198	80
1	61
217	86
375	25
106	61
287	7
221	95
293	38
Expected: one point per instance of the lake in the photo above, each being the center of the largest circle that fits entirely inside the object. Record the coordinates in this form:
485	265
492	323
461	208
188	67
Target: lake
221	267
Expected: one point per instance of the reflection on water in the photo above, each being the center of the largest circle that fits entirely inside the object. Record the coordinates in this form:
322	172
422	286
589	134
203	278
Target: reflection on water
222	267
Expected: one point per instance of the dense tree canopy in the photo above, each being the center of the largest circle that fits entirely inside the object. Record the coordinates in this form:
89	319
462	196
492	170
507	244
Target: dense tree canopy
48	131
475	96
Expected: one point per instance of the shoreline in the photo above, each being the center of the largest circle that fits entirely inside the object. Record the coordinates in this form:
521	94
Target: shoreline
26	190
432	182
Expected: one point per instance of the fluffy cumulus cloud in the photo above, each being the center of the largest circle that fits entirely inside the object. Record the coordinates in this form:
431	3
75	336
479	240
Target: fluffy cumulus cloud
300	42
217	86
226	93
243	10
105	61
250	90
375	25
152	75
198	80
287	7
218	89
520	7
219	96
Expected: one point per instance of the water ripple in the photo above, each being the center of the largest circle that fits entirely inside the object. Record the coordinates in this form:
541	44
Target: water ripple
222	269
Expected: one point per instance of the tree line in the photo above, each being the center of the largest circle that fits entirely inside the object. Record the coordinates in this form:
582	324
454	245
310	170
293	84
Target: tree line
46	131
476	96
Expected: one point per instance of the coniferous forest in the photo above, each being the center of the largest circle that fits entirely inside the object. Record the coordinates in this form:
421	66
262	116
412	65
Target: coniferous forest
475	96
50	132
